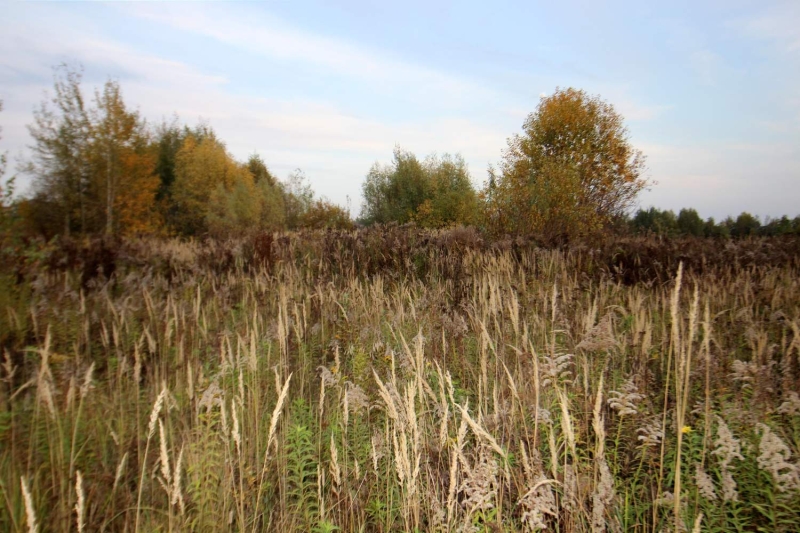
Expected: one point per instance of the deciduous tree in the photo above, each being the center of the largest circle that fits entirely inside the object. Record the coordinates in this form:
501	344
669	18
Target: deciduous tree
690	223
202	167
58	163
571	171
123	169
433	193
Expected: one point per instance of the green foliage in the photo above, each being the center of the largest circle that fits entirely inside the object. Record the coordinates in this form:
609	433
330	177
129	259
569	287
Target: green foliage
298	198
655	221
61	134
205	475
745	225
304	210
167	140
690	223
272	208
235	211
778	226
711	229
259	170
204	168
433	193
301	469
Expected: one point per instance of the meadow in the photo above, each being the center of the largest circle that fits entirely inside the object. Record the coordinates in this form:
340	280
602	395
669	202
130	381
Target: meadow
401	380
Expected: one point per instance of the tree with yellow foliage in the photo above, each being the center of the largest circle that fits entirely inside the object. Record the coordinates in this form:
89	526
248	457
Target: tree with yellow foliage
124	175
570	173
204	174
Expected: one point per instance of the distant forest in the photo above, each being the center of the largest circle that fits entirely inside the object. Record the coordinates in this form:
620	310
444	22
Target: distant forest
100	169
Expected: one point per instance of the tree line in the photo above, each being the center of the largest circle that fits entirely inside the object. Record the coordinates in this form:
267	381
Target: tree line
688	222
99	168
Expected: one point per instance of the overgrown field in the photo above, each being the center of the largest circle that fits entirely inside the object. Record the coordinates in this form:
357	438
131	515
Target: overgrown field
401	381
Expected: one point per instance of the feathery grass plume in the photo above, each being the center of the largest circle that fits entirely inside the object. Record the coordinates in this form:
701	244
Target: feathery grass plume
602	496
357	399
159	403
212	395
276	413
321	405
240	398
566	420
273	425
391	408
164	457
600	338
774	458
683	360
120	471
538	504
444	408
744	372
335	470
30	514
597	420
401	466
176	495
556	368
705	485
697	523
456	456
87	381
70	394
604	486
9	367
44	378
482	433
625	400
650	434
791	406
345	411
377	450
481	485
727	448
235	431
80	504
571	491
137	362
151	430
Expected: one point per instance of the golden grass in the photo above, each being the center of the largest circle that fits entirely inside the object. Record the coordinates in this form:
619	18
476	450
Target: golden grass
472	390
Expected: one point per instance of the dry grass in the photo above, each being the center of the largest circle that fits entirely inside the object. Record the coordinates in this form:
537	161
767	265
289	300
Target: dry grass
399	382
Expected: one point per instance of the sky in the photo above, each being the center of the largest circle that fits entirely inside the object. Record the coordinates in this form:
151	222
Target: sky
710	90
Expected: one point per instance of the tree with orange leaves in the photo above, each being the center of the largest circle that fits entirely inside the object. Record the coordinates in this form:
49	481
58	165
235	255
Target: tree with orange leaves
135	208
569	174
124	169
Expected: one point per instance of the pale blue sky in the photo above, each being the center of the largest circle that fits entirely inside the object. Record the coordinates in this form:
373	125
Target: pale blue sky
710	90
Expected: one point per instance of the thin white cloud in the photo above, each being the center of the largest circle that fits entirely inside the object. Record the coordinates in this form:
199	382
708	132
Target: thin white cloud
777	23
258	32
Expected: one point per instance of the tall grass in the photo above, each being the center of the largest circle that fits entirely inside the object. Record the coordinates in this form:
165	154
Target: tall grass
476	389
